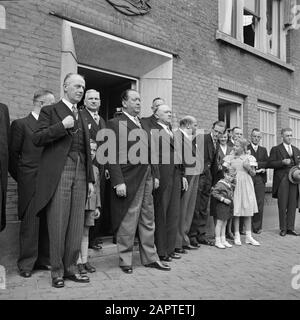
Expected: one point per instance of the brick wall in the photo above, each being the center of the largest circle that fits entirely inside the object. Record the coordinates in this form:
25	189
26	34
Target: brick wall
30	57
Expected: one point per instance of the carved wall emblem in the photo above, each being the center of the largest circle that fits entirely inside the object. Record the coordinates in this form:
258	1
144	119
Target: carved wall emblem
131	7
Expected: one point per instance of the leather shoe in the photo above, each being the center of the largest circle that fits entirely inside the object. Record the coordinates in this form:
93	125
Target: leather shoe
81	269
165	258
282	233
126	269
158	265
25	274
191	247
206	242
195	243
180	250
89	268
78	278
42	267
58	282
175	255
292	232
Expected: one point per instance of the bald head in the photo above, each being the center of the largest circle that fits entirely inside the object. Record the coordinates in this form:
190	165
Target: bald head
157	102
189	123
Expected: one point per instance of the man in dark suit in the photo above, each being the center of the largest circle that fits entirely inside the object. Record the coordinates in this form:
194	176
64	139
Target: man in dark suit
131	188
260	178
4	142
65	178
236	133
197	233
92	103
24	158
282	158
167	196
152	120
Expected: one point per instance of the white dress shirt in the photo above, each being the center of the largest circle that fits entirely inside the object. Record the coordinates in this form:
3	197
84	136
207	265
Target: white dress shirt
255	147
288	148
35	115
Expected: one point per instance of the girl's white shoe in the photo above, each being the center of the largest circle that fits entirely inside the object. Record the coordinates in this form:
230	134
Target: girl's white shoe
219	245
250	240
226	244
237	240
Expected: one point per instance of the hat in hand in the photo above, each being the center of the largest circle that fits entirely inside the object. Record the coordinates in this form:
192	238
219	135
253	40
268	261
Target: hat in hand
294	175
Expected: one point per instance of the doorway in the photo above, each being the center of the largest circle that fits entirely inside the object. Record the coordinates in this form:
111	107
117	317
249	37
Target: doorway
110	85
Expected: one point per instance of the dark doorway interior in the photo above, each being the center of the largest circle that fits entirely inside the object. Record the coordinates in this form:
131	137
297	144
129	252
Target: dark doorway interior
110	87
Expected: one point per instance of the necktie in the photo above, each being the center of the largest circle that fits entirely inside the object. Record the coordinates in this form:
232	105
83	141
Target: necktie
96	118
137	121
290	152
169	131
75	111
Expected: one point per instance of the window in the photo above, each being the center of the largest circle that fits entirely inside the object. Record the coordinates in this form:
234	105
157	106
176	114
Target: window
2	17
257	23
230	109
267	125
294	118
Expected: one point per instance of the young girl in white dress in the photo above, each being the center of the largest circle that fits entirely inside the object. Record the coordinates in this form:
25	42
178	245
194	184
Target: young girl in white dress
244	203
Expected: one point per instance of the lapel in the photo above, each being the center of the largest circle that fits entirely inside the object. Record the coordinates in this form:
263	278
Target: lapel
62	110
31	122
295	155
211	147
84	123
283	151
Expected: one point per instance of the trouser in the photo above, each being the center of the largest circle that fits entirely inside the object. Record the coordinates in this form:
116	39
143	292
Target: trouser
167	211
65	216
139	215
34	241
198	226
259	187
187	207
287	203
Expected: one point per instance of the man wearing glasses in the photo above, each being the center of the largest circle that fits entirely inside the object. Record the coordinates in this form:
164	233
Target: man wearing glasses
197	232
24	158
260	179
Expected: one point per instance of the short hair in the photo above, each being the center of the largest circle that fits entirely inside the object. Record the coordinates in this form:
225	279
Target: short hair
187	120
255	130
286	130
233	129
124	94
243	143
91	90
71	74
158	98
219	123
41	93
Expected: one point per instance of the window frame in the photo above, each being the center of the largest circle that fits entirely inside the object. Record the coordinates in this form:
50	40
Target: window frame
295	115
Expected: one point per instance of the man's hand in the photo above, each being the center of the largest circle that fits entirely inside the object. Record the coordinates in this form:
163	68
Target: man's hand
185	184
121	190
68	122
90	189
97	213
227	201
156	183
286	162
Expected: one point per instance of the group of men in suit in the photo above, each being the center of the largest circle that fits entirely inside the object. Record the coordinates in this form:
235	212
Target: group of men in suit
165	201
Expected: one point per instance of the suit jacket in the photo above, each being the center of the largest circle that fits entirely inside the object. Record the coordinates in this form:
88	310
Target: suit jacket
24	159
93	126
125	171
149	122
56	140
217	172
4	142
277	154
261	157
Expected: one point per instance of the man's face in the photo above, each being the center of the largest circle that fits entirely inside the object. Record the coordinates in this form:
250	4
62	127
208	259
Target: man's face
92	101
157	103
194	126
74	88
237	134
164	114
217	131
133	104
287	137
255	137
93	150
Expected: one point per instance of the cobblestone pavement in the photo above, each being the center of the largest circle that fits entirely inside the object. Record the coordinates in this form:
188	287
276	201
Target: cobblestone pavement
244	272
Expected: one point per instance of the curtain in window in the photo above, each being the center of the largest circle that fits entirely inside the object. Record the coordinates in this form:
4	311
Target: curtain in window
225	16
2	18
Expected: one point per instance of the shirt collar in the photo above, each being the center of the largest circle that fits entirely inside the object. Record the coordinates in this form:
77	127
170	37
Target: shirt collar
287	145
68	104
92	113
35	115
255	147
132	118
190	138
